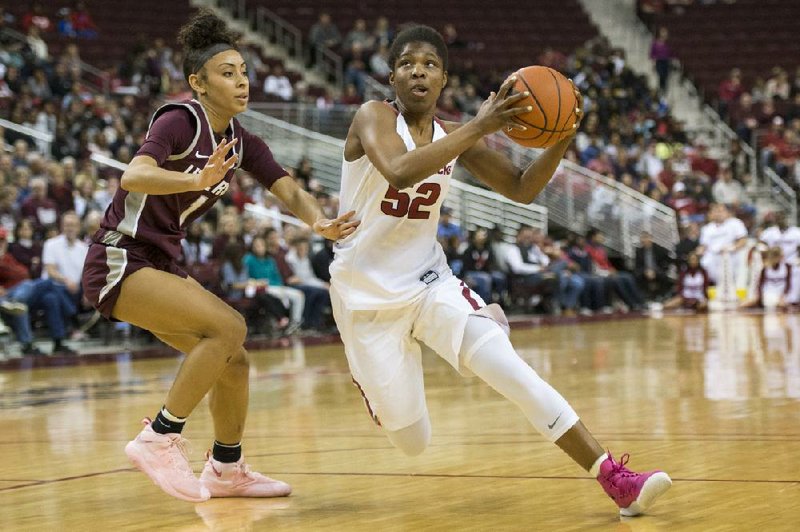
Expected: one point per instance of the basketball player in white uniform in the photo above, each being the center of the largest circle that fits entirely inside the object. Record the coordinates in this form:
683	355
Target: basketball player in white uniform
788	238
392	290
721	240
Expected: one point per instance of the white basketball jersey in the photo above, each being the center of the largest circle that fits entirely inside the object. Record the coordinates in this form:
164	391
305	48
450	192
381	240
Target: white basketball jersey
788	240
393	255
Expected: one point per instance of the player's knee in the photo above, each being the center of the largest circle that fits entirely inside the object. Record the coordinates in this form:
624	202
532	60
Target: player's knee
231	330
240	361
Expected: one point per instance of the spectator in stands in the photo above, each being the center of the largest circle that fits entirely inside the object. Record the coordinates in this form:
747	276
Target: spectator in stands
83	196
570	285
623	283
40	89
38	294
356	58
321	261
318	299
26	249
8	210
262	266
378	63
37	46
323	34
701	162
447	226
359	34
197	248
350	96
685	205
774	282
64	23
106	194
689	240
661	54
692	286
722	235
278	84
730	91
529	262
596	290
229	230
238	286
479	269
730	192
778	86
382	33
37	18
37	207
652	265
63	256
82	22
59	189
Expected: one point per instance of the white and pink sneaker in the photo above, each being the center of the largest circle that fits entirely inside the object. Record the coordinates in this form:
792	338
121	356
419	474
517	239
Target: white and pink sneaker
633	492
163	458
236	480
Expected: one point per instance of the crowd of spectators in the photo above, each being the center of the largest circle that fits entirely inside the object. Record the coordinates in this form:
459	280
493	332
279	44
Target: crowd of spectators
52	196
765	112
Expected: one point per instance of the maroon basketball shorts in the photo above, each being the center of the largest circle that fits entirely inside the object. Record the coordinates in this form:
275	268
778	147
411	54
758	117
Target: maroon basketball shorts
107	267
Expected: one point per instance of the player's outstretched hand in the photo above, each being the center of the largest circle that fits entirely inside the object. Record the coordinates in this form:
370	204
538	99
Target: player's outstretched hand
337	228
217	166
499	108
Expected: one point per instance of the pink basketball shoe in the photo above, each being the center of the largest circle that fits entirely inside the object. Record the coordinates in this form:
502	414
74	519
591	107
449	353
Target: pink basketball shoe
163	458
236	480
633	492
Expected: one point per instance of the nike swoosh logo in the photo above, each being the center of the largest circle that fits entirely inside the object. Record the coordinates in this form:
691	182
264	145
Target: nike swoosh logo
219	473
197	154
553	424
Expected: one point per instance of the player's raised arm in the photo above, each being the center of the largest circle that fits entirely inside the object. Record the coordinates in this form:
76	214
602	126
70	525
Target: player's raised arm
374	126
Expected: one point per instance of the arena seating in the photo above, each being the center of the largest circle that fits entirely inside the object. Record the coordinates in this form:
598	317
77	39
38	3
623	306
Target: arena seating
513	33
753	35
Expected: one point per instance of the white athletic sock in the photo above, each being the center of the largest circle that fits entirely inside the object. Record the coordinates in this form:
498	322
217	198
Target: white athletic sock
172	417
595	469
492	358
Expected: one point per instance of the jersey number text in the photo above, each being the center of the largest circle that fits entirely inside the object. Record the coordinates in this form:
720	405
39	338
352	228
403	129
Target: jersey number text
400	204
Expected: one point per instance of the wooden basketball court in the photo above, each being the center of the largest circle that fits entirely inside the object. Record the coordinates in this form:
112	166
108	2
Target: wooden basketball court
713	400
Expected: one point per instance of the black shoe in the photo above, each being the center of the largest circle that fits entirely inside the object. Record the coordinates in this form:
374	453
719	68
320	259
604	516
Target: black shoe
31	350
64	351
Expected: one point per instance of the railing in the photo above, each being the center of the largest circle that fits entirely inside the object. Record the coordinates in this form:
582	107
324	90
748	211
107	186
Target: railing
277	30
473	205
579	199
334	121
43	139
287	36
576	198
375	90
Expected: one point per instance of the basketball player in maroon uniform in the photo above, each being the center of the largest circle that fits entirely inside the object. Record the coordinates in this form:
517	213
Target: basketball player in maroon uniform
189	157
396	160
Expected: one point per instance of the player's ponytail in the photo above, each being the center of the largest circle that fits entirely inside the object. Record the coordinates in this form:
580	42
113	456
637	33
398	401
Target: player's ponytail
203	37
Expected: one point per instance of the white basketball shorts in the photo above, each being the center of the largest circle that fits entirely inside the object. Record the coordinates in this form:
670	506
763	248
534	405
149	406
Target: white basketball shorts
384	347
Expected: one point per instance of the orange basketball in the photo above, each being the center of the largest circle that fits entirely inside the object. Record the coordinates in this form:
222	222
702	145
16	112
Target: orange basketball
553	100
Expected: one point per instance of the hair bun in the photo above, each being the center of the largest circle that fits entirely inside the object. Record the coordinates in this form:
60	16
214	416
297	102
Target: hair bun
205	29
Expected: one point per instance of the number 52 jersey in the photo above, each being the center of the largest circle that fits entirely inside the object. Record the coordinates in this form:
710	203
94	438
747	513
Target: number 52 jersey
393	255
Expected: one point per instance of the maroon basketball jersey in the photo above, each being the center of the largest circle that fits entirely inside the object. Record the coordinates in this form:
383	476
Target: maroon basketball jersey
182	141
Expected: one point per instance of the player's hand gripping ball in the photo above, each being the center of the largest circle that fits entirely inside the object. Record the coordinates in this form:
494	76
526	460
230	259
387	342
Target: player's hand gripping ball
557	108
